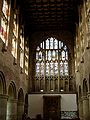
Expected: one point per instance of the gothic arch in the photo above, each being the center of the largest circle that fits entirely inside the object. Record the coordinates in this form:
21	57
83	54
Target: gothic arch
20	95
12	90
2	83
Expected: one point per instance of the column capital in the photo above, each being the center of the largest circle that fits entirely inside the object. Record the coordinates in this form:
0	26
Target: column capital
20	102
13	100
88	93
84	98
3	96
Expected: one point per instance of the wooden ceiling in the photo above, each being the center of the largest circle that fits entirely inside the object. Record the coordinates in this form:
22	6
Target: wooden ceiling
49	15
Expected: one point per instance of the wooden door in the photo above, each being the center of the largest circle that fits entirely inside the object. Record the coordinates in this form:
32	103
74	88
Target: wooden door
51	107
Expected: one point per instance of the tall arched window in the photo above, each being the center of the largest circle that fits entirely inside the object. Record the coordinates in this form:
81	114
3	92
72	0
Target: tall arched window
4	27
15	35
22	48
51	65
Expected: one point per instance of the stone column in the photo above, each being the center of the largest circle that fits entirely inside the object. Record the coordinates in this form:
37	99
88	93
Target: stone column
81	109
85	108
89	104
12	109
20	110
3	106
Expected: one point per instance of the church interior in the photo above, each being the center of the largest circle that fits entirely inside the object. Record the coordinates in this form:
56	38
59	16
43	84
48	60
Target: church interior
44	59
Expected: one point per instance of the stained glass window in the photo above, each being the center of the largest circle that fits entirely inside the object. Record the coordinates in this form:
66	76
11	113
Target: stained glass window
15	25
51	62
21	48
4	27
26	57
15	36
14	47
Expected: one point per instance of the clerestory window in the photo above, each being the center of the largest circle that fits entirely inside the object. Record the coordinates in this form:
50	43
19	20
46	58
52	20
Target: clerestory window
4	27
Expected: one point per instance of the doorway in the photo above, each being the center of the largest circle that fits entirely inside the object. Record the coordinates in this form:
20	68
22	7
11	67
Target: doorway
51	107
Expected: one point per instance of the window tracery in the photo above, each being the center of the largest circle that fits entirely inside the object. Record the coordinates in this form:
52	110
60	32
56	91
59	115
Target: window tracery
51	63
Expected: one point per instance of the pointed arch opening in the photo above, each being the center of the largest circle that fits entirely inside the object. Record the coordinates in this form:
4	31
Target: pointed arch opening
2	83
20	95
12	90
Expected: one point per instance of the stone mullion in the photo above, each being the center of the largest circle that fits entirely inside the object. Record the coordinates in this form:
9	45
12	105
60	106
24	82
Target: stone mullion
45	83
58	69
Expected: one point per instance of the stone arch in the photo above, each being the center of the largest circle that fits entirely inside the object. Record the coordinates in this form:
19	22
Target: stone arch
12	102
2	83
12	90
85	87
20	95
41	36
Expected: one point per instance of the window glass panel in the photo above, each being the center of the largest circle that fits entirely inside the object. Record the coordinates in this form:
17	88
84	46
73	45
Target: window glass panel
37	68
55	44
65	48
41	45
56	54
42	68
46	55
59	44
21	59
61	68
14	48
40	56
47	68
15	26
53	55
6	9
26	59
51	43
38	48
51	68
56	68
47	44
49	55
36	55
66	55
66	68
63	55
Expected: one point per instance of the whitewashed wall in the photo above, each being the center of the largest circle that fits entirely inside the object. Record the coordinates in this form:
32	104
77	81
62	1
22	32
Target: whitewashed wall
35	101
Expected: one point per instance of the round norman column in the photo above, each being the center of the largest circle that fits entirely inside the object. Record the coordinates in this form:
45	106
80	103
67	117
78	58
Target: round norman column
12	109
3	106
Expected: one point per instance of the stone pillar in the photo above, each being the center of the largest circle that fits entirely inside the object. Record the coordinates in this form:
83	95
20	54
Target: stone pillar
3	106
85	108
89	104
20	110
81	109
12	109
